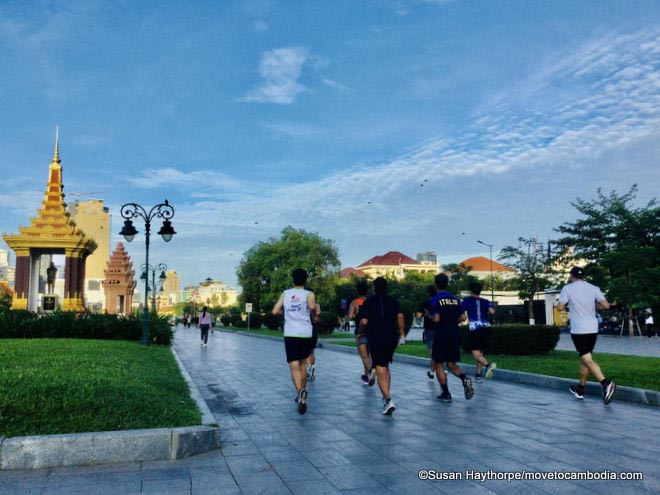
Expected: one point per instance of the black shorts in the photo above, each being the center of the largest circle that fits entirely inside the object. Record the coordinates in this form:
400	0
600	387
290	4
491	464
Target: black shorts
298	348
382	353
479	338
584	342
446	349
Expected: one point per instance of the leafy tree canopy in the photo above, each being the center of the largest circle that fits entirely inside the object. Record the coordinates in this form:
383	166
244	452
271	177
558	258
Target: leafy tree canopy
265	269
621	244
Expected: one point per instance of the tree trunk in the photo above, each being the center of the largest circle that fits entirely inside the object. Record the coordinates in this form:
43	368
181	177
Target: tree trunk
530	309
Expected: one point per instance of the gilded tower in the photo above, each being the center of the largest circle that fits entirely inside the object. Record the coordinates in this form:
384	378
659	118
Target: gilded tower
51	232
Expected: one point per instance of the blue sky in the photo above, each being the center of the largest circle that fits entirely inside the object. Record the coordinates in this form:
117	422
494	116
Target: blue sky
412	125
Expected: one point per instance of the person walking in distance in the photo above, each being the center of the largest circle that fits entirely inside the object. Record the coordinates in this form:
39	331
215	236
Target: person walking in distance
477	309
354	313
582	300
447	314
383	321
297	304
204	325
428	335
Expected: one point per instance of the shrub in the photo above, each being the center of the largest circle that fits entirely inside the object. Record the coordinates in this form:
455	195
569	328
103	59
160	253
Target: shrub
67	324
327	322
237	321
255	320
272	322
225	319
518	339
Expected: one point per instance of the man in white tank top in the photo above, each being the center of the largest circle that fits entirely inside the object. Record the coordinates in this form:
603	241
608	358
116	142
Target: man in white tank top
297	305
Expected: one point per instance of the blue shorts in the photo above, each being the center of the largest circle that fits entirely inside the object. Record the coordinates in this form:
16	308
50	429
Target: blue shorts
428	337
362	340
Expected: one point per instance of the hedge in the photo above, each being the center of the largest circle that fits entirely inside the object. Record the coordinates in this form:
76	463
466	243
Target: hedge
328	321
518	339
272	322
68	324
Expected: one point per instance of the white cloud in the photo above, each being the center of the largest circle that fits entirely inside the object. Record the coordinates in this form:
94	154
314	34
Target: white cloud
280	70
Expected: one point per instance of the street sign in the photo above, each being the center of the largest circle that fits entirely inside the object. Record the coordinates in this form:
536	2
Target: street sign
248	307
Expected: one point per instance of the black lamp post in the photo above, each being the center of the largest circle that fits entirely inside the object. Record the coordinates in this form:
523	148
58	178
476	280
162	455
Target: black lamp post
160	267
134	210
492	280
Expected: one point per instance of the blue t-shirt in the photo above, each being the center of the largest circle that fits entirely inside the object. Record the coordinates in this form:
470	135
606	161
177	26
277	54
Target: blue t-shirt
449	308
477	311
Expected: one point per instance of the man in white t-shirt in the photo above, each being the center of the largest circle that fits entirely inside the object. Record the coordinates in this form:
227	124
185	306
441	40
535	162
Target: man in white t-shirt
582	300
298	304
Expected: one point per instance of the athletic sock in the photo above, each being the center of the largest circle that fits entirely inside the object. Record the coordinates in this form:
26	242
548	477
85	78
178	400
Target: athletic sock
445	388
462	377
604	382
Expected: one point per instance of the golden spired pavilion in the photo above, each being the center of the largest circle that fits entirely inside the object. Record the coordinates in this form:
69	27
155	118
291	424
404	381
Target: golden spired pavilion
51	232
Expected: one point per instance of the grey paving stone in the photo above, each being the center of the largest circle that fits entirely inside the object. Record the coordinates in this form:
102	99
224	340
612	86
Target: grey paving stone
346	444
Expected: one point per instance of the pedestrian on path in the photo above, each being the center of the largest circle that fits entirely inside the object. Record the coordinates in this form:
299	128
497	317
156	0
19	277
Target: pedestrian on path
355	314
297	304
385	327
447	314
204	324
428	335
582	300
478	309
650	329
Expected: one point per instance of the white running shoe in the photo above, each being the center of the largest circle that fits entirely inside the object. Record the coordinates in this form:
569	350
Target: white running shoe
388	407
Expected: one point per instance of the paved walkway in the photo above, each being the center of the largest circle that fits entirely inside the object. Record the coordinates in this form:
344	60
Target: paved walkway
613	344
343	445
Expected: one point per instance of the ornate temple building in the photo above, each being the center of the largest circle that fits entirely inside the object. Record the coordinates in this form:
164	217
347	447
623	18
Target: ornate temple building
51	232
119	283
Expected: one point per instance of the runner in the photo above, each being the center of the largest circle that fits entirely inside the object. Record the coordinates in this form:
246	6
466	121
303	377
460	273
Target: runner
311	359
369	376
447	314
428	335
582	300
477	310
297	304
383	321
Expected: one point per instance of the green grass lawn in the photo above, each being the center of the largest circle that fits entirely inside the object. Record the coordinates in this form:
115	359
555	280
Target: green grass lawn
69	386
629	371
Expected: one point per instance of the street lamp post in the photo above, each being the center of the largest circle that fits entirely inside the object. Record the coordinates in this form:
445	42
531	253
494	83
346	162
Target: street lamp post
160	267
134	210
492	280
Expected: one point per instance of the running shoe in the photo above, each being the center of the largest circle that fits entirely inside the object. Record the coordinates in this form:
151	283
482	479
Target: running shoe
445	397
467	387
365	379
372	377
489	370
302	401
578	391
388	407
312	372
478	379
608	392
430	375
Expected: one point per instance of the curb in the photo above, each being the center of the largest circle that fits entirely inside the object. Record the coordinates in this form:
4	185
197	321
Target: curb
626	394
110	447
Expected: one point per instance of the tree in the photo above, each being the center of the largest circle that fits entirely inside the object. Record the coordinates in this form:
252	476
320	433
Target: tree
534	268
459	277
621	244
265	269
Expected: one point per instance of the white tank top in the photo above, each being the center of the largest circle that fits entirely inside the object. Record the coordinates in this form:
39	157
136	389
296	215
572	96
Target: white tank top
296	313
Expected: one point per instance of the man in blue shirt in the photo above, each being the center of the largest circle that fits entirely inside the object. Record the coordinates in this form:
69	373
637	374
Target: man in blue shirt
447	313
477	310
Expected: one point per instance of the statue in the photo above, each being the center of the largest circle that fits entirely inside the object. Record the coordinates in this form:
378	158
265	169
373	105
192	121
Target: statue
51	275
